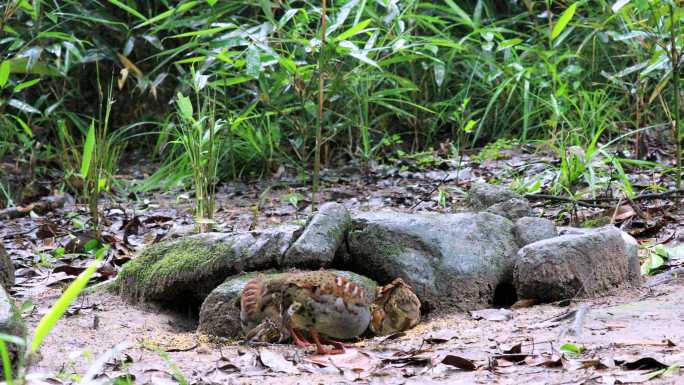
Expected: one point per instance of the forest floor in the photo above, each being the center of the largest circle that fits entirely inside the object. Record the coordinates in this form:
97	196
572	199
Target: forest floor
630	336
641	329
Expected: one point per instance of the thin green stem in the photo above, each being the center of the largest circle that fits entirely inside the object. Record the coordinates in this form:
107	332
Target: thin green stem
674	58
319	130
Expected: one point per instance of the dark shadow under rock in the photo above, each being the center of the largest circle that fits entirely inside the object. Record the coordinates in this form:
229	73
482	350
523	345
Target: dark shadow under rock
450	260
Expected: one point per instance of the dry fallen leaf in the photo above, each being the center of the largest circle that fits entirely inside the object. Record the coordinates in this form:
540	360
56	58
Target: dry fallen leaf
276	362
459	362
353	359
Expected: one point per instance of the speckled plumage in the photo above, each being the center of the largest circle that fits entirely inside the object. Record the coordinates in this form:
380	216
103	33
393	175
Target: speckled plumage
396	308
329	303
319	304
261	312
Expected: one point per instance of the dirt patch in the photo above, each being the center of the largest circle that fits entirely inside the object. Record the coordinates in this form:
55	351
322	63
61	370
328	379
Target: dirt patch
631	325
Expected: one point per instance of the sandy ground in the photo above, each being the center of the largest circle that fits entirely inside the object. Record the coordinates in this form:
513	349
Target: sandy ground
645	324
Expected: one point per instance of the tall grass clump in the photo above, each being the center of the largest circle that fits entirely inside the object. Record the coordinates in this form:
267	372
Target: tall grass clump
198	134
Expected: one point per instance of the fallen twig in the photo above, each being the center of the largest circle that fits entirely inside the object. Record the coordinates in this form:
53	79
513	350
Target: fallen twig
578	202
44	205
592	201
626	344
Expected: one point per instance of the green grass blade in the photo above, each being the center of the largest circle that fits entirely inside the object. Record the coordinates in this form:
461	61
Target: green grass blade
49	320
6	364
353	30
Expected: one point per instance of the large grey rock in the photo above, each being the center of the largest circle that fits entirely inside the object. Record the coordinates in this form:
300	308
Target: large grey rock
531	229
11	324
220	311
586	264
632	251
512	209
187	269
483	195
323	235
633	262
498	200
448	259
6	269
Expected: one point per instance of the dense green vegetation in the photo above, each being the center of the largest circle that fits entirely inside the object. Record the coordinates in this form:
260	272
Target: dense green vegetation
248	83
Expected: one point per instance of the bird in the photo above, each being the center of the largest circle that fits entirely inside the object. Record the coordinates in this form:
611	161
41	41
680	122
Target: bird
319	305
396	308
326	306
261	312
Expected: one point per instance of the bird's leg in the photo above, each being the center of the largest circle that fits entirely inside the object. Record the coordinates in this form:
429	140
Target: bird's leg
339	348
298	340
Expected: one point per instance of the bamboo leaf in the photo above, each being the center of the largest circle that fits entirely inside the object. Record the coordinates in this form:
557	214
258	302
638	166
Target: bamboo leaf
465	18
128	9
26	84
5	68
88	149
204	32
166	14
185	107
23	106
353	30
230	81
563	21
253	62
23	125
266	7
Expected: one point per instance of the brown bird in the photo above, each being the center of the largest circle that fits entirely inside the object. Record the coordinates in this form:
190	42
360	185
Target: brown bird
261	312
314	304
396	308
324	305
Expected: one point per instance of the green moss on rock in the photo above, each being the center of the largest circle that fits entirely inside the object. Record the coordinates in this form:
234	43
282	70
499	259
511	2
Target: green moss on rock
194	265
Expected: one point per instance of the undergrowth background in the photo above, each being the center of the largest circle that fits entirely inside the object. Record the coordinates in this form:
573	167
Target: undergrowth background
399	76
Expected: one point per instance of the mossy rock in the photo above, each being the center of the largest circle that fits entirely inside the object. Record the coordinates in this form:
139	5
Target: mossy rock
185	270
220	312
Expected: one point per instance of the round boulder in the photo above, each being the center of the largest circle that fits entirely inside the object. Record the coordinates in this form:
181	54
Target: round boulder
449	259
568	266
531	229
185	270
